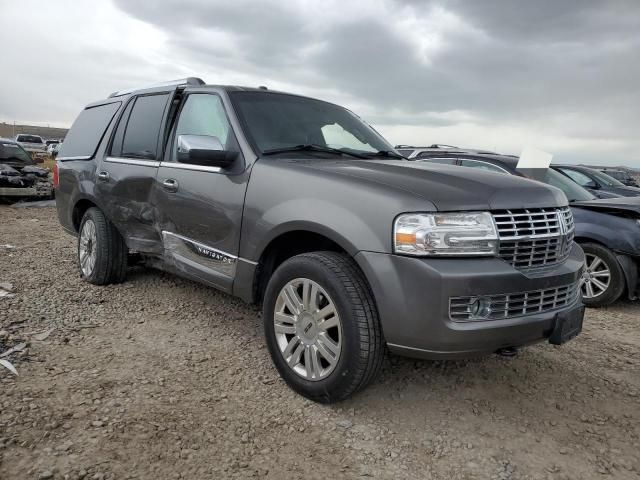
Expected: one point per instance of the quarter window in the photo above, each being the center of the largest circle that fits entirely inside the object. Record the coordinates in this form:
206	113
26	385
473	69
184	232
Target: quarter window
143	127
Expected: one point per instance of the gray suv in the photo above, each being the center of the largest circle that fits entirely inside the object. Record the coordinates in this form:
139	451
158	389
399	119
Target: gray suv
299	205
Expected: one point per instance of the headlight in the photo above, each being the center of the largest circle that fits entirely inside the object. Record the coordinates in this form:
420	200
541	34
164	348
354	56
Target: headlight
472	233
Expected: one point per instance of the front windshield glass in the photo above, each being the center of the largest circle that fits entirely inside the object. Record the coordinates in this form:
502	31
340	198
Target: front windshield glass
606	179
572	190
276	121
13	153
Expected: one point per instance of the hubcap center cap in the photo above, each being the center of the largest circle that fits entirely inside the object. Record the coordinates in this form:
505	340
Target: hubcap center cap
307	328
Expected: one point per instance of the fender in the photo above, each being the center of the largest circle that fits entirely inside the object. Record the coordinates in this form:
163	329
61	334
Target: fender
630	270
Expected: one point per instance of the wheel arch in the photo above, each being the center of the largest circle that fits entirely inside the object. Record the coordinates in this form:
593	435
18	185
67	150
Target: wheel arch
289	243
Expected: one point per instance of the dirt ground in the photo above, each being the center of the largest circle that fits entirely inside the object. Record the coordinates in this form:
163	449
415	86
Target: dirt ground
162	378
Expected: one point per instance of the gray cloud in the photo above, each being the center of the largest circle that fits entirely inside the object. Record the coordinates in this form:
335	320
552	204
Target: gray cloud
563	72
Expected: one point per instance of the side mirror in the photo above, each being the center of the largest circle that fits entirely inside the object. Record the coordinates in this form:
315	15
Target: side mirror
593	185
204	150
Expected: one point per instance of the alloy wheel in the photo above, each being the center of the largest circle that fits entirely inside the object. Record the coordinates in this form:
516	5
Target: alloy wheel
308	329
88	247
596	277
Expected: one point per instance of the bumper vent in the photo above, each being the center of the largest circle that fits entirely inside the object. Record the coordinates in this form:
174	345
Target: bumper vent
499	307
532	239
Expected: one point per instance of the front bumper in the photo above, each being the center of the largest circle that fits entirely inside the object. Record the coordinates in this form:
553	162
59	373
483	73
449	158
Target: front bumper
412	295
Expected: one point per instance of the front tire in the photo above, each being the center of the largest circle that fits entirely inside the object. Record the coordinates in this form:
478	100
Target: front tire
322	327
102	253
603	281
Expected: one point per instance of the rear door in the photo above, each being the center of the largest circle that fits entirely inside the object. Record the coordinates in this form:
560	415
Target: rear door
200	207
127	172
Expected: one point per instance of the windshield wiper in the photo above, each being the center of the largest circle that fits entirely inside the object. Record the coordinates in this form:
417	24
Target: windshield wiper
310	147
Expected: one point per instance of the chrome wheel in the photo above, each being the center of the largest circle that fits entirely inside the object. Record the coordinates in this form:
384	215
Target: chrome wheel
307	329
596	277
87	250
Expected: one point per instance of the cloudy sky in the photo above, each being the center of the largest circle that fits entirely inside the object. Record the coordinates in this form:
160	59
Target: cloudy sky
560	75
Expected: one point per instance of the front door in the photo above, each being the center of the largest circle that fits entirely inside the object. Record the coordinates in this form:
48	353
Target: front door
200	207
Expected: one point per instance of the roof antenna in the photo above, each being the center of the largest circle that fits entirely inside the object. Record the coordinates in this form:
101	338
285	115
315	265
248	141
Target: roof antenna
262	87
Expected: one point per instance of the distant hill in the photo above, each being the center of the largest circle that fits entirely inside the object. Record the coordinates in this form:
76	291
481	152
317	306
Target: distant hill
7	131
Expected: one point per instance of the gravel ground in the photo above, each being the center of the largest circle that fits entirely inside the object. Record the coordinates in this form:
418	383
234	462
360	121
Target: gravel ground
162	378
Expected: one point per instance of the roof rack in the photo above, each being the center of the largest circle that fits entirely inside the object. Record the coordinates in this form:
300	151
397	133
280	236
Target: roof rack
183	81
435	145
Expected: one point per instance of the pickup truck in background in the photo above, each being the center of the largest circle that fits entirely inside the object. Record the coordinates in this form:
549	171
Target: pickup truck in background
299	205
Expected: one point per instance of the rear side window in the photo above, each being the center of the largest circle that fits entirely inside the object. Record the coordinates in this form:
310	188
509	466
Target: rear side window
87	131
143	127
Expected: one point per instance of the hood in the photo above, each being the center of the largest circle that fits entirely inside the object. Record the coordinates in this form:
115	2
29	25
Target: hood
616	205
449	188
625	191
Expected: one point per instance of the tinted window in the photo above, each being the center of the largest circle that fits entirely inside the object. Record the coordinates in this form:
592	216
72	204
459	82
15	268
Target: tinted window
29	139
13	152
274	120
572	191
116	146
578	177
605	179
482	165
141	136
87	131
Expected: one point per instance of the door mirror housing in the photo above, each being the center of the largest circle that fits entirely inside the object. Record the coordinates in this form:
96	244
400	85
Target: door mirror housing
204	150
593	185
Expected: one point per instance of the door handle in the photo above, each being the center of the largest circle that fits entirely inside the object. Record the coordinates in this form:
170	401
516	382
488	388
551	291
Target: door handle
103	176
170	185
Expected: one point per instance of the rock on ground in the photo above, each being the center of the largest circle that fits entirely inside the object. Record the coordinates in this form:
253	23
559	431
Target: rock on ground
162	378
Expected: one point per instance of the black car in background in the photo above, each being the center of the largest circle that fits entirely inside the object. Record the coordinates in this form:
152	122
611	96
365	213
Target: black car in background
624	177
607	229
596	182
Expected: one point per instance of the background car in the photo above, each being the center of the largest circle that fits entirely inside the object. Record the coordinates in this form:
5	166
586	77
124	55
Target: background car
596	181
608	230
622	176
19	178
34	144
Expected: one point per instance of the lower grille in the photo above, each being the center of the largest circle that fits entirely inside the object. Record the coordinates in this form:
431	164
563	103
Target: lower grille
499	307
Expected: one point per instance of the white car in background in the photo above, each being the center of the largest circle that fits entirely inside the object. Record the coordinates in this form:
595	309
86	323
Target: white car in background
34	144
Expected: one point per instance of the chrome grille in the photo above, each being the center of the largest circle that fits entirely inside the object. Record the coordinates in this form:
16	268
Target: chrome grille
536	237
499	307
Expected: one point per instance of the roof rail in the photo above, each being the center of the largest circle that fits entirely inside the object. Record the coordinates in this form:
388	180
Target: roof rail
441	145
170	83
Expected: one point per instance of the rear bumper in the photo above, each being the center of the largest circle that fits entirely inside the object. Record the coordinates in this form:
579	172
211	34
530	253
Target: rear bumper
412	295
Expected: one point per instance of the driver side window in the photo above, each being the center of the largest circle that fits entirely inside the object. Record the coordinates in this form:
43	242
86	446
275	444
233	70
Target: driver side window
203	114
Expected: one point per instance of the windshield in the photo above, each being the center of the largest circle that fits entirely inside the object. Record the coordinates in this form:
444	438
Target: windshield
14	153
572	190
29	139
606	179
279	121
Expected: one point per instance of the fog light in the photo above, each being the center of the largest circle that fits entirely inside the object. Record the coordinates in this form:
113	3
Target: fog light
480	308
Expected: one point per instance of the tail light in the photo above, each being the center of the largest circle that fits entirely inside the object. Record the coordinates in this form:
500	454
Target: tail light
55	175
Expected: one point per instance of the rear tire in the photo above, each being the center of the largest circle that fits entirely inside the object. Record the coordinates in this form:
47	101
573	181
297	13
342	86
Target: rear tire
603	281
304	356
102	252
